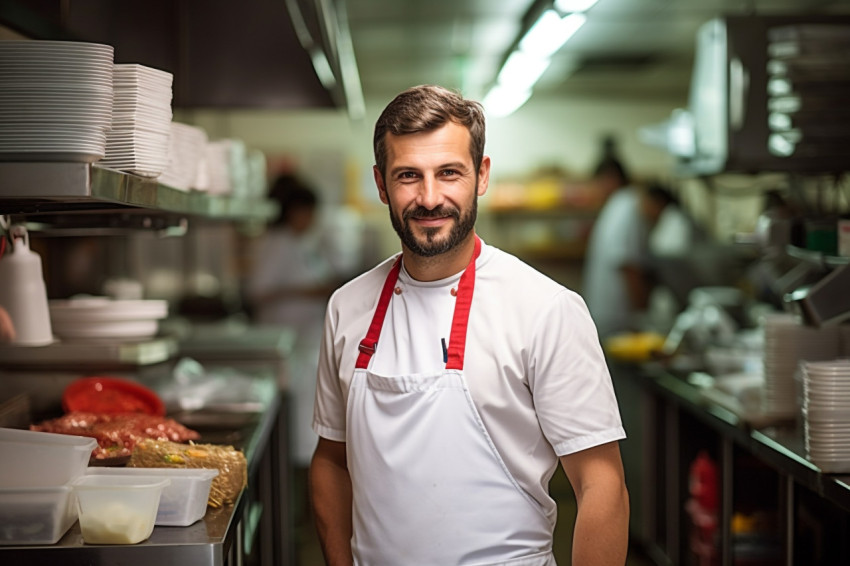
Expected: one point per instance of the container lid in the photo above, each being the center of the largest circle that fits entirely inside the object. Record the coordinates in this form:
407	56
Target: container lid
111	395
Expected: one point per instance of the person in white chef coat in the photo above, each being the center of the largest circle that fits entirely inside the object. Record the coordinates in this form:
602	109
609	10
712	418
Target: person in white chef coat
614	280
453	378
291	279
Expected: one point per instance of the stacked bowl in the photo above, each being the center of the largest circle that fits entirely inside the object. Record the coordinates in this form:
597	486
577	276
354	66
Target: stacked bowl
787	342
55	100
826	412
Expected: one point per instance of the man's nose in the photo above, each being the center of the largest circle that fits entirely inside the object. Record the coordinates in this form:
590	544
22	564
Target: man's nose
429	193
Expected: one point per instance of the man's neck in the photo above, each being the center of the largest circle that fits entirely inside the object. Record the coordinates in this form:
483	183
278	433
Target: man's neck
440	266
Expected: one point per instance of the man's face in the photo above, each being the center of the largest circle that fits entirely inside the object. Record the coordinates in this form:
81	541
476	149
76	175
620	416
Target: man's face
432	188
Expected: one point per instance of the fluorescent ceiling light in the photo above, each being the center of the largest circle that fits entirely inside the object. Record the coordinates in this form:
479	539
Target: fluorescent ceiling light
565	6
521	70
501	100
322	68
550	32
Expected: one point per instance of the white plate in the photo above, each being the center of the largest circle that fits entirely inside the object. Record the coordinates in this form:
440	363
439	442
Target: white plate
114	329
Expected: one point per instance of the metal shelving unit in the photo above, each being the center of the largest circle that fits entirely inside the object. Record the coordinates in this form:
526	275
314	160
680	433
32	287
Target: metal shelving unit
33	188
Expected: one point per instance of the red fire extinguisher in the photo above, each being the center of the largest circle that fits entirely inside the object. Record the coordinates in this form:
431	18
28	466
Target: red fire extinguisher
702	506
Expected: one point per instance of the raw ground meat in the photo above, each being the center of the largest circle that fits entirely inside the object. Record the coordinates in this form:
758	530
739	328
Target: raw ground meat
117	434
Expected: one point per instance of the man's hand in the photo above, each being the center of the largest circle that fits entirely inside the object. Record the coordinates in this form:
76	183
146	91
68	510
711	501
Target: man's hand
7	329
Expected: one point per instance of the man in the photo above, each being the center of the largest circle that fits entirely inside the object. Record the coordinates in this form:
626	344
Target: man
453	380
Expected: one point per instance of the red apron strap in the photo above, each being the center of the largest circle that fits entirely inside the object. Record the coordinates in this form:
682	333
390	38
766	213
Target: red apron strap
370	342
460	320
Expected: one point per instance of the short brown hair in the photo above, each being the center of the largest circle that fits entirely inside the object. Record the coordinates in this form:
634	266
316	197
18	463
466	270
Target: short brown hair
425	108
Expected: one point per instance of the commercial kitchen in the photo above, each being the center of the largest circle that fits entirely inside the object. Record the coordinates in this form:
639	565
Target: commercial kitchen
142	148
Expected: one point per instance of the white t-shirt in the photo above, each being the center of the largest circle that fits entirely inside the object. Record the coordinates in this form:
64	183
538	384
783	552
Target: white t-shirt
533	363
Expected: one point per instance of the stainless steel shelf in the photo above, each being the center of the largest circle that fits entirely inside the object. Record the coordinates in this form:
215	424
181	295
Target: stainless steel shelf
97	353
33	188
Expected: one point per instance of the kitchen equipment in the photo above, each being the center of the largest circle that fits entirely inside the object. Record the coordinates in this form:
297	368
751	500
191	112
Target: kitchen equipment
827	301
36	515
117	509
41	459
182	502
762	95
23	293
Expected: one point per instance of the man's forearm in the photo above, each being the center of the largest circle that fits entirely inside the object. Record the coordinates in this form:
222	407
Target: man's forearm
331	499
601	530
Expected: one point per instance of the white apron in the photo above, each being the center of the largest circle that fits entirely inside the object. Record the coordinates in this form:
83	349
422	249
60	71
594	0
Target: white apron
431	489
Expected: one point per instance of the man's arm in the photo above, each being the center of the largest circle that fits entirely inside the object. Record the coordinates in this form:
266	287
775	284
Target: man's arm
602	524
330	491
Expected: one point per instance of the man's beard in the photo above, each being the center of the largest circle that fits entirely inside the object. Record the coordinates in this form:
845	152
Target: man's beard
431	247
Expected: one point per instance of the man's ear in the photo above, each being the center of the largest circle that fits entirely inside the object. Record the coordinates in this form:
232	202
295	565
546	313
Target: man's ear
379	182
483	176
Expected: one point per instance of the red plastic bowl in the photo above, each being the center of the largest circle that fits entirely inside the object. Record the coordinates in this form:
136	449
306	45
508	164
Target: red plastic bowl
111	395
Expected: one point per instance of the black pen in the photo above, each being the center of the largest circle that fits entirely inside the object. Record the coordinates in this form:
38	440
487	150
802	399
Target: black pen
445	351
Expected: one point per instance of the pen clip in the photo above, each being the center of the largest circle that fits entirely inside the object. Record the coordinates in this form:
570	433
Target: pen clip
445	351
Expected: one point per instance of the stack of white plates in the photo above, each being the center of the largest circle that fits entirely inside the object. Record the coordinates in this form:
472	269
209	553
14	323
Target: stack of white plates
101	317
55	100
141	121
186	150
226	167
787	342
826	409
257	180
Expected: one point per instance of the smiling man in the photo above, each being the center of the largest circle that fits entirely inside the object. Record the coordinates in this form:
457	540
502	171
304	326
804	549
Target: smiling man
454	378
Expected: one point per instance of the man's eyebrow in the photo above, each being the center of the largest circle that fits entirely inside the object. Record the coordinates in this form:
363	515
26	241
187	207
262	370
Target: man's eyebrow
454	165
402	168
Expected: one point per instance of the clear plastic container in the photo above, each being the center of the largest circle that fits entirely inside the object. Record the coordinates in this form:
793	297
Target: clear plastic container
34	515
117	509
183	502
42	459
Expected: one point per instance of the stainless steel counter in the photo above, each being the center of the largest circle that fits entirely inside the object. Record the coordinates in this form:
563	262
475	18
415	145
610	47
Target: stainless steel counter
781	445
215	540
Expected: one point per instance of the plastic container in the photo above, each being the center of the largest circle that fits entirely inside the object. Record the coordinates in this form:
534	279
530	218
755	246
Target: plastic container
42	459
117	509
34	515
183	502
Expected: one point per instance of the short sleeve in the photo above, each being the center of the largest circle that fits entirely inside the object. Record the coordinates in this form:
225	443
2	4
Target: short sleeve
569	379
329	408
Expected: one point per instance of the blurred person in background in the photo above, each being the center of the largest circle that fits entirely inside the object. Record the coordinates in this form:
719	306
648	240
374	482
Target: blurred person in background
296	265
614	283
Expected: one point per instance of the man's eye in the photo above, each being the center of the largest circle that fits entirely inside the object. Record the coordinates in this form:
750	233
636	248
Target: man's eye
449	173
407	175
